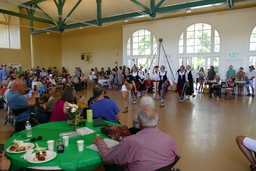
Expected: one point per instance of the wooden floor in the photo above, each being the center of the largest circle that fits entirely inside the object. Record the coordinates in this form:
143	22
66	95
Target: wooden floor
204	129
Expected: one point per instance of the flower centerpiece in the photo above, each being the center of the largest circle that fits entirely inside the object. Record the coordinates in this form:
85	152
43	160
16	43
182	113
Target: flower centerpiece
74	112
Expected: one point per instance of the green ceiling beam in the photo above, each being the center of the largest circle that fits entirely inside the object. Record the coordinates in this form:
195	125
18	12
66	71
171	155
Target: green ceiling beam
187	5
90	22
31	13
152	5
29	3
99	12
25	16
47	15
140	5
161	10
153	12
71	12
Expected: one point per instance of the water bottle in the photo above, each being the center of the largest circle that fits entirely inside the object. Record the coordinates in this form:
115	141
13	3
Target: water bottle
28	129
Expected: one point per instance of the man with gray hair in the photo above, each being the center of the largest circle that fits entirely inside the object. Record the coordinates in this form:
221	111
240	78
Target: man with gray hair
145	101
149	149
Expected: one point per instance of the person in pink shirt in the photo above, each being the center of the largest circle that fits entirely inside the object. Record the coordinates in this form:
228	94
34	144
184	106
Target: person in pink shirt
58	113
149	149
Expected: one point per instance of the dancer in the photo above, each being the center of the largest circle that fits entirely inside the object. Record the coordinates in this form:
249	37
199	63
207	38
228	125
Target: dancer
190	87
141	87
127	86
165	81
180	80
135	75
155	80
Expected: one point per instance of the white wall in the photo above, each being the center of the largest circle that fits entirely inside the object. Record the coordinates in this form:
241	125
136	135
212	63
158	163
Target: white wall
234	27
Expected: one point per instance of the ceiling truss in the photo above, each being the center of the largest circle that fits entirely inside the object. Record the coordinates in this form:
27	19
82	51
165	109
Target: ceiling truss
61	25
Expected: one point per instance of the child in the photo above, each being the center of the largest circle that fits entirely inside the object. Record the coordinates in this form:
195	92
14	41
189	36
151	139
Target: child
230	87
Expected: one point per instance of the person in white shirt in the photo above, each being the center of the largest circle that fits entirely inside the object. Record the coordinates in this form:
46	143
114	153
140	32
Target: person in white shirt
51	79
155	80
165	81
196	75
249	76
216	86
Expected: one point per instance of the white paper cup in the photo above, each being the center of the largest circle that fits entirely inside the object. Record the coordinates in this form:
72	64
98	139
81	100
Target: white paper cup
65	140
50	145
80	145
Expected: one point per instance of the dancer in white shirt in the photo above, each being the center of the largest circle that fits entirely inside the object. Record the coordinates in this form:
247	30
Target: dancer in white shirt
155	79
165	81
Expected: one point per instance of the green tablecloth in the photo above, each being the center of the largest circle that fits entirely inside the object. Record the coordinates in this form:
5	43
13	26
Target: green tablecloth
70	160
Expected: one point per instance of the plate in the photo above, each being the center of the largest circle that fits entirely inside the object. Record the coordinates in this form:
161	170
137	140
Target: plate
49	156
27	145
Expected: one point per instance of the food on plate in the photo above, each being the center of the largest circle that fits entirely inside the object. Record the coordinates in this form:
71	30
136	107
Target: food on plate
18	147
40	148
40	157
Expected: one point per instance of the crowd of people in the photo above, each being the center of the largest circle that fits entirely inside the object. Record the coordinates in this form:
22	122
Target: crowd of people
50	90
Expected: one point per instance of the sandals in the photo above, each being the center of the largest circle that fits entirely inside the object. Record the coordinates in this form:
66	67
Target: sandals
125	110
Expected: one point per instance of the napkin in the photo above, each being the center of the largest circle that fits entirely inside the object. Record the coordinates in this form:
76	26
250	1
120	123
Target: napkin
85	131
110	143
28	153
17	141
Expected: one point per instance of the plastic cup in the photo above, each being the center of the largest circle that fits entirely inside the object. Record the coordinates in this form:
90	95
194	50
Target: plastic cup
50	145
65	140
80	145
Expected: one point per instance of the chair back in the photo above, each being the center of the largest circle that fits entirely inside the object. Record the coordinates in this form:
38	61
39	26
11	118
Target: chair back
169	167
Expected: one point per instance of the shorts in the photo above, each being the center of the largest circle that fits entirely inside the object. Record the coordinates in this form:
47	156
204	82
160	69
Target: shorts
250	143
249	84
201	78
124	88
197	80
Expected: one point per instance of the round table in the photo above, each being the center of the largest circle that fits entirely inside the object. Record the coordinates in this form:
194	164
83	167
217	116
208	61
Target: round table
70	160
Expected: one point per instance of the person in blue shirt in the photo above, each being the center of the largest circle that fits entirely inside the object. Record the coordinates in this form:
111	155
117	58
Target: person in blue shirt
19	104
3	73
106	108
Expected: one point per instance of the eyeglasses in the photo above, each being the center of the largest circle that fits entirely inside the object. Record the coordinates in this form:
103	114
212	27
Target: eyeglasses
36	139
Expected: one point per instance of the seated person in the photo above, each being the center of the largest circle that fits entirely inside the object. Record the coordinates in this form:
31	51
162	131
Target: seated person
52	80
231	73
145	101
247	146
59	112
56	94
19	104
230	87
102	107
76	83
4	163
149	149
93	98
216	85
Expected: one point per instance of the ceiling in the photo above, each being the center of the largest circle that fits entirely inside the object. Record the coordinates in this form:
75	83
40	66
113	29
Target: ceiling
61	15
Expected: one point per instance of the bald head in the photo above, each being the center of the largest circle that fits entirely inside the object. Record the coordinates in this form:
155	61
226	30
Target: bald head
148	116
18	86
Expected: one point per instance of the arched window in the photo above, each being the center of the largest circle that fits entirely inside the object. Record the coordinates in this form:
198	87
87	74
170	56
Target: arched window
199	38
141	43
253	40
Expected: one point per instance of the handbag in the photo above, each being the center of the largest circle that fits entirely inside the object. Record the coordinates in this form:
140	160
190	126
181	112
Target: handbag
116	132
